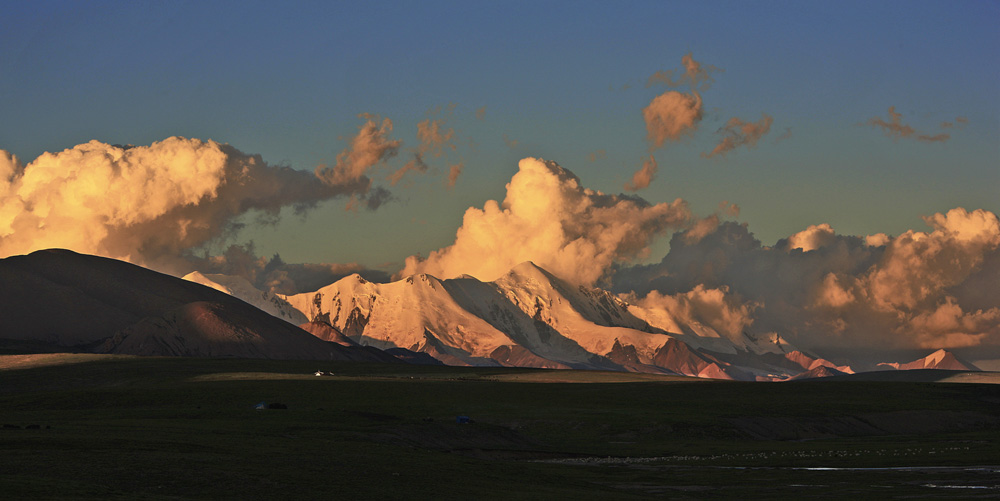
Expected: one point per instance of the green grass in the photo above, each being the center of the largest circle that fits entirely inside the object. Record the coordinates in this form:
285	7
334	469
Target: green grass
168	428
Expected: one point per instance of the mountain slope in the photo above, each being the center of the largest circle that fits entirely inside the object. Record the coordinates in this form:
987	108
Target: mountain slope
239	287
940	359
62	300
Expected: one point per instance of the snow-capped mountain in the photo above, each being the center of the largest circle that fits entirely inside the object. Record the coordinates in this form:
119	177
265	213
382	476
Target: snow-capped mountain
940	359
531	318
239	287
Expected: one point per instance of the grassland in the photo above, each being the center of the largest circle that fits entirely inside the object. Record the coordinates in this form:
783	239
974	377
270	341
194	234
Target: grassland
87	426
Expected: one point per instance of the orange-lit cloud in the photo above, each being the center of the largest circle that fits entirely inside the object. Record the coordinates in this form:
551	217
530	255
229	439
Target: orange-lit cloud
481	113
716	311
933	139
921	289
597	155
511	143
671	115
896	129
370	147
696	75
453	172
549	218
812	238
148	204
738	133
435	139
729	209
415	164
643	176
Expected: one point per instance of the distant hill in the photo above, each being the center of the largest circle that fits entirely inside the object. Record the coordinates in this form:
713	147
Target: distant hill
58	300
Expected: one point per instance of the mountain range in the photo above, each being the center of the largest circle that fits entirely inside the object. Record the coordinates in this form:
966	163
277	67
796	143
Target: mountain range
531	318
58	300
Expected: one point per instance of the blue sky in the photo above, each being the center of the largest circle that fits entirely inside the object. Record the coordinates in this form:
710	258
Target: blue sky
562	79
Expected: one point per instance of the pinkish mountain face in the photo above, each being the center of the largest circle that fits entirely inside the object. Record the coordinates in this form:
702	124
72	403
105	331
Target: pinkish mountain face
531	318
940	359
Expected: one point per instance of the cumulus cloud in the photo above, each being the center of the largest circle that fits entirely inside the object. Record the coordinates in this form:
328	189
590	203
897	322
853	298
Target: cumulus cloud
148	203
812	238
671	115
919	266
643	176
738	133
549	218
707	225
716	308
896	129
821	290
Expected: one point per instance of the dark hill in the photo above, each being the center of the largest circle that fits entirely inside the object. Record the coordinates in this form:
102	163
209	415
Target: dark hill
59	300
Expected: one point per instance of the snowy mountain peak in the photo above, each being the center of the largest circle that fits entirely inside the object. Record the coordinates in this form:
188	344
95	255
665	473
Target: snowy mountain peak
940	359
936	358
240	288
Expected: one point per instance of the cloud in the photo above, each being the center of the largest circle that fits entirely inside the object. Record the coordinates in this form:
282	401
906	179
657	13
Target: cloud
724	314
671	115
812	238
919	266
511	143
149	203
784	135
695	75
729	209
707	225
936	138
370	147
371	200
643	176
549	218
416	164
896	129
824	291
481	113
453	173
435	140
597	155
738	133
276	276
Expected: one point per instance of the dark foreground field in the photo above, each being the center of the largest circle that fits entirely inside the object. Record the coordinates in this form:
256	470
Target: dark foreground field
79	426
